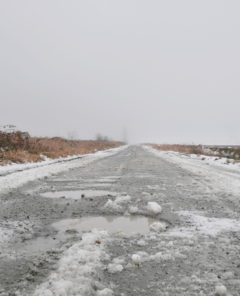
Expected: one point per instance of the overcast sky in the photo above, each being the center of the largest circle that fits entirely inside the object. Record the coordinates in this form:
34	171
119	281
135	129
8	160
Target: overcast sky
164	70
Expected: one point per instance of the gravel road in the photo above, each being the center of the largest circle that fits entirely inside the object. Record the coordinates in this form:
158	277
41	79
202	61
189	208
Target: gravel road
190	246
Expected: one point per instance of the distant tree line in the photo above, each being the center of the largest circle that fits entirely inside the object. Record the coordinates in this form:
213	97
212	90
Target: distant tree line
100	137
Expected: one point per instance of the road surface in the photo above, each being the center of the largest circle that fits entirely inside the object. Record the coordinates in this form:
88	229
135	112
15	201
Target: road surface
190	247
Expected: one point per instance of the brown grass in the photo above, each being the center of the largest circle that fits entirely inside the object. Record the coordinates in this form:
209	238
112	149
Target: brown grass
21	156
15	149
59	147
187	149
216	151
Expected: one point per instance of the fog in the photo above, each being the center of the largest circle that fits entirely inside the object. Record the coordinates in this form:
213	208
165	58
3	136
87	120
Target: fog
156	71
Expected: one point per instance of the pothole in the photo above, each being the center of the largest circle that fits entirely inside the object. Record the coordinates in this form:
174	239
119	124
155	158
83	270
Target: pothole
78	194
37	245
72	228
126	225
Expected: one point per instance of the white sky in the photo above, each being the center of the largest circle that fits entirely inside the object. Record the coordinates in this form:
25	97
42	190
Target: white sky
166	70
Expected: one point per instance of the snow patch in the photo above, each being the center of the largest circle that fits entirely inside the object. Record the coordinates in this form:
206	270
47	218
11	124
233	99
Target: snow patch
224	177
105	292
141	243
77	268
114	268
220	290
136	259
118	202
133	209
204	225
158	227
154	208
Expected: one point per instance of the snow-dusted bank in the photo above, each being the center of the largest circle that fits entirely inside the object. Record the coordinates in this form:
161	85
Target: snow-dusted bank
13	176
202	159
224	175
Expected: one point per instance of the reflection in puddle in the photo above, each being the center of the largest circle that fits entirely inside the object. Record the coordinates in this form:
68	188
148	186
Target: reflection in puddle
113	224
37	245
77	194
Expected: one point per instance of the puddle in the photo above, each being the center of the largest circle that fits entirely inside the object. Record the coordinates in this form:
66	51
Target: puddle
37	245
43	244
127	225
77	194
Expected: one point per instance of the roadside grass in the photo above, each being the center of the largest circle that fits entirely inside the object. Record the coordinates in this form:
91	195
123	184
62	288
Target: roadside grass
187	149
229	152
15	148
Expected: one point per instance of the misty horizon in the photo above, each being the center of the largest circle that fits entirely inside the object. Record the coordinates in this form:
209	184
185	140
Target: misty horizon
145	71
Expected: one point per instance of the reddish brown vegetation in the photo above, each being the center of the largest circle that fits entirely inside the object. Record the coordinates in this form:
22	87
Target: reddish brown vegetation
187	149
18	147
216	151
59	147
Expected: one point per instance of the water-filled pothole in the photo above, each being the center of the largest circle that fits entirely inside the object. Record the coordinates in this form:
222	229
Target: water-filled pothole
127	225
37	245
77	194
69	229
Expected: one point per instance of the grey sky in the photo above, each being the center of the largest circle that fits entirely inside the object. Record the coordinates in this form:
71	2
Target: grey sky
167	71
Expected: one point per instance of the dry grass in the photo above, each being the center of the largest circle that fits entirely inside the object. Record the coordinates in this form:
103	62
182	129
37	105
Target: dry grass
20	156
187	149
232	152
14	149
216	151
59	147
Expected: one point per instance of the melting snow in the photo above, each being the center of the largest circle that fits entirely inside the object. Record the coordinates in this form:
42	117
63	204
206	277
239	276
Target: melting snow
205	225
224	177
158	226
118	202
154	207
77	268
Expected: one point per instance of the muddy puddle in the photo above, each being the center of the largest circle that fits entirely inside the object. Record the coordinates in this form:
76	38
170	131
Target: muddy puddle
69	228
112	224
78	194
37	245
43	244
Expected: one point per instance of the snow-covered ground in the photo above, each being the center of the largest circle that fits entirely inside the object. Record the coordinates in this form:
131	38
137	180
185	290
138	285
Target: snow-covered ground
203	159
225	176
17	167
18	174
202	225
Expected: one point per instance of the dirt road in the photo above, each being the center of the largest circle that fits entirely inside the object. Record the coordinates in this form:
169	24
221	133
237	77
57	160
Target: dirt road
189	245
